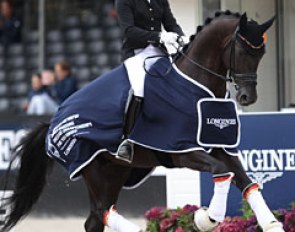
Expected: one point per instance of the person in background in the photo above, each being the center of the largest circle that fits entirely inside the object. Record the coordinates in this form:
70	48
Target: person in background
40	102
10	25
48	78
141	23
48	81
65	84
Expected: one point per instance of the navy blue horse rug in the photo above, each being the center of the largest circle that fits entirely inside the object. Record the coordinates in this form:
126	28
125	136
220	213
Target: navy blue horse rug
180	115
173	118
89	122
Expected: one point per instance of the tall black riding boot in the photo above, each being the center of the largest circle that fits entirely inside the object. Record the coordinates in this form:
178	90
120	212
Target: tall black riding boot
125	151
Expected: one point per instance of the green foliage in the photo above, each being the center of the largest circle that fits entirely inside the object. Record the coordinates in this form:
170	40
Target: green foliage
246	210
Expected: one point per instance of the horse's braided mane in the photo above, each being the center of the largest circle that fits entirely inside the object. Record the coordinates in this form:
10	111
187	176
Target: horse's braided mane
208	21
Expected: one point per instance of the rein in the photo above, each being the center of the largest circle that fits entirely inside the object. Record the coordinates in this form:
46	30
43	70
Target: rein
225	78
232	76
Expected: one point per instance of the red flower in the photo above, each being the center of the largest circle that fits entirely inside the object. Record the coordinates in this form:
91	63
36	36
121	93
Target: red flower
289	221
179	229
154	213
175	214
234	224
166	224
190	208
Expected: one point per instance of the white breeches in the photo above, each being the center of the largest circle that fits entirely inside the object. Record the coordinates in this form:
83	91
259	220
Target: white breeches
136	70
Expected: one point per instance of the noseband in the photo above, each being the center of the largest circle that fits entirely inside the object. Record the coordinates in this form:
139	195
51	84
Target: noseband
232	76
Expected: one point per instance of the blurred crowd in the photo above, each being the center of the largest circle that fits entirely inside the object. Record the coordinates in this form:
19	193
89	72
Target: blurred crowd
49	89
10	24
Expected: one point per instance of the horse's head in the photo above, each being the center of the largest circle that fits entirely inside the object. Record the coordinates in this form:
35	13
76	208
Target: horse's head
227	42
242	56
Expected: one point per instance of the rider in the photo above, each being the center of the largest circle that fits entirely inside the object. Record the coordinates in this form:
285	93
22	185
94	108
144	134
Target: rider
141	22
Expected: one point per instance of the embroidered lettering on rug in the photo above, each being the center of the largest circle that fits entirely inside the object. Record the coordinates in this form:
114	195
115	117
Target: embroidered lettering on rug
63	137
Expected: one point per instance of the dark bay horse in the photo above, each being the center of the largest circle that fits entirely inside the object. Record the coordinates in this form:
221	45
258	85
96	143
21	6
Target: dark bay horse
228	43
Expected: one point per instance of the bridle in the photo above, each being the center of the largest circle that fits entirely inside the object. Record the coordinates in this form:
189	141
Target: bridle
232	75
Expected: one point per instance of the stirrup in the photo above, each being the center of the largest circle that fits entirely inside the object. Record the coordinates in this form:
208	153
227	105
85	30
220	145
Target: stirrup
126	156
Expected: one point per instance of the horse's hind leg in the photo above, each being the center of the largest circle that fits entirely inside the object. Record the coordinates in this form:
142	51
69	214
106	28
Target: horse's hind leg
104	181
92	223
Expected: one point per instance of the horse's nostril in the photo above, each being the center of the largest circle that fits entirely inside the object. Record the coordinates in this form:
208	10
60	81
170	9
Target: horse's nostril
244	99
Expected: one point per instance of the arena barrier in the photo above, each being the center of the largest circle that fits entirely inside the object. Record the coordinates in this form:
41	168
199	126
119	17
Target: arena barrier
267	152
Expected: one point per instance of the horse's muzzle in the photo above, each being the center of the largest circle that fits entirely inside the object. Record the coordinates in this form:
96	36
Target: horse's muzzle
246	96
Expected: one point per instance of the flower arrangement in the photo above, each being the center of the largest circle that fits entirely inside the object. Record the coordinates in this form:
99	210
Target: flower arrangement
166	220
161	219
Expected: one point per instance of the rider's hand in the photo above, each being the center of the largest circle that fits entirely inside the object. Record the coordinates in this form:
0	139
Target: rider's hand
169	38
185	39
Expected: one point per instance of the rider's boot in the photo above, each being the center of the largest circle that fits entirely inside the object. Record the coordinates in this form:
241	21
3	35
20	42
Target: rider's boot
125	150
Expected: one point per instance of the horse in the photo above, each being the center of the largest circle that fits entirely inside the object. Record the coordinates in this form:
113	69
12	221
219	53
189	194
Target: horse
228	48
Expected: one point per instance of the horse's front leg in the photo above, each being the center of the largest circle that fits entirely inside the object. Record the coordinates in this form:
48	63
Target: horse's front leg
226	169
208	219
252	194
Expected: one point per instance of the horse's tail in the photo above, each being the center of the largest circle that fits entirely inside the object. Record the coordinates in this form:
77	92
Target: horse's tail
31	178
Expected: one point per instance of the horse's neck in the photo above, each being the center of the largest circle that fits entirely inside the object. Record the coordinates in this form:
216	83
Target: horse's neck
206	51
211	62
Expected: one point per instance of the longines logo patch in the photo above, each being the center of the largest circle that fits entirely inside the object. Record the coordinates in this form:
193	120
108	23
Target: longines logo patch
221	122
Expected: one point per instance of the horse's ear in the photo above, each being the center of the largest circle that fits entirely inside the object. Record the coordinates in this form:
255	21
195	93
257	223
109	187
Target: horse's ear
243	22
264	27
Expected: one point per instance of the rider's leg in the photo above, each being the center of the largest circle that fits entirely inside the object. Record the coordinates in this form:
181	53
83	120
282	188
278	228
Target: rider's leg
126	151
136	67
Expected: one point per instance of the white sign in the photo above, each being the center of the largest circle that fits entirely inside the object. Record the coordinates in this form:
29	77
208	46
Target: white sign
8	140
263	166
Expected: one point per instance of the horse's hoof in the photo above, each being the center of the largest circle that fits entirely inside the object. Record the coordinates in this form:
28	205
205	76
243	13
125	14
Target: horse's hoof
202	221
274	227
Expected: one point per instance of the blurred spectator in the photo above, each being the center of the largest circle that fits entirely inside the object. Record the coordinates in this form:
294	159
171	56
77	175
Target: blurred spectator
65	83
10	25
48	78
40	102
48	81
